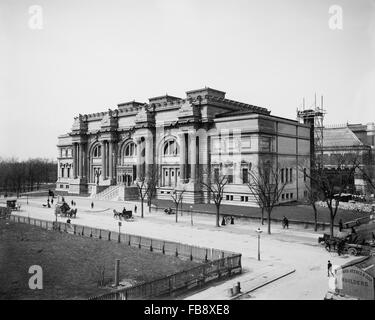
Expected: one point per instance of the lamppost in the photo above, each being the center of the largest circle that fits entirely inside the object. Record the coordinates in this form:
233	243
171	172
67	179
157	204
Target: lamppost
191	215
119	230
259	231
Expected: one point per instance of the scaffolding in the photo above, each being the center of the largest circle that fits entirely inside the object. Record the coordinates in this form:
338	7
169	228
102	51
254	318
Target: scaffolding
314	116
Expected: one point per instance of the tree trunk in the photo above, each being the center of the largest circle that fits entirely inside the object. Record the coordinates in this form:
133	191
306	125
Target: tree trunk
176	212
315	218
217	215
262	218
142	207
269	221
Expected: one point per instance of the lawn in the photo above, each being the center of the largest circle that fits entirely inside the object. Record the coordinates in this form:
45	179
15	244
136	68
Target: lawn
71	264
303	213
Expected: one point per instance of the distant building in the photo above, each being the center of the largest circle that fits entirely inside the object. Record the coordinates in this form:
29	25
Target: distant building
351	139
187	141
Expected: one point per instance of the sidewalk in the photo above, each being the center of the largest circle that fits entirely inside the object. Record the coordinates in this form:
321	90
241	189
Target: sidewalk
249	280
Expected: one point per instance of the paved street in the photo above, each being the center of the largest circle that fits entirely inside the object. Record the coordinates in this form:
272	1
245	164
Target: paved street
295	248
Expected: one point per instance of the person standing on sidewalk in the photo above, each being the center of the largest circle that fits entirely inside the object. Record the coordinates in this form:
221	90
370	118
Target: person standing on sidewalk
92	205
135	209
329	269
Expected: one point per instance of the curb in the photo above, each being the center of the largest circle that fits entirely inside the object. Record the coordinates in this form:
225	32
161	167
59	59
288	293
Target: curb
263	284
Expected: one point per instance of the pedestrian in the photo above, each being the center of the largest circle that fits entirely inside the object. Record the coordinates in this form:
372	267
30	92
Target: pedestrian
52	200
223	221
341	225
135	209
92	205
231	220
285	222
72	202
329	266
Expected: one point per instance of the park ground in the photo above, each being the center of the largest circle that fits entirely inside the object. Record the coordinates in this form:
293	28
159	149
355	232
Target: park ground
72	264
295	248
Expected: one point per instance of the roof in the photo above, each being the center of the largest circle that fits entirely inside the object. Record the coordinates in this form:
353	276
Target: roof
340	137
366	264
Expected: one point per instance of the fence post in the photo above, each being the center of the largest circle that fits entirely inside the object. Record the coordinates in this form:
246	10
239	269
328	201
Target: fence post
129	240
82	232
151	246
191	253
139	244
109	236
74	229
206	258
176	250
90	232
100	233
117	272
163	249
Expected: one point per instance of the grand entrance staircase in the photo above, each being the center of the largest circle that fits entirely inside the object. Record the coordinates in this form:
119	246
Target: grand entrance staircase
110	193
117	193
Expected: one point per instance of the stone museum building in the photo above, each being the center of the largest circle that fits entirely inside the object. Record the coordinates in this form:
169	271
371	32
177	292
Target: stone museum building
181	142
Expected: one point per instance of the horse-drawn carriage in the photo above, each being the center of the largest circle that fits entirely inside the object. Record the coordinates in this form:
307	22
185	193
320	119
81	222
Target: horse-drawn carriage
126	214
351	244
13	205
63	209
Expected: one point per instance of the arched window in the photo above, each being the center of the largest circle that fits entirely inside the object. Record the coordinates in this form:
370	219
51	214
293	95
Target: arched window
171	148
97	152
131	150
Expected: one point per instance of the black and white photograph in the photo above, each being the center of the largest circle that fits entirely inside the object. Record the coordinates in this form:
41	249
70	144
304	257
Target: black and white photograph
194	155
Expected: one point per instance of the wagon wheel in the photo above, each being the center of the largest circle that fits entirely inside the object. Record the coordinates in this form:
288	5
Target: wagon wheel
352	251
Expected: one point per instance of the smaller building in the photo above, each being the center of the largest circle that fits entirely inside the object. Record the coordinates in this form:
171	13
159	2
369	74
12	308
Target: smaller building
354	139
355	280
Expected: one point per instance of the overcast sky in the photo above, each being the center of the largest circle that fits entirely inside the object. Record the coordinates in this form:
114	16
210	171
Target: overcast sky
93	54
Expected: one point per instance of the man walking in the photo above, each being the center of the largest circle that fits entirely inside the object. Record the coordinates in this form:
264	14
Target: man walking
329	267
92	205
135	209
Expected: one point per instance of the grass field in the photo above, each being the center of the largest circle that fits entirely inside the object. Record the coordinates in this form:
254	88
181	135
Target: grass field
71	264
292	212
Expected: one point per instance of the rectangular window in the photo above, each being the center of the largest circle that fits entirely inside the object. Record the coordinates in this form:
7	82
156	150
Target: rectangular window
230	178
287	195
283	196
282	175
67	186
68	172
216	173
291	196
291	175
227	197
245	175
246	199
304	174
62	172
242	198
231	198
286	175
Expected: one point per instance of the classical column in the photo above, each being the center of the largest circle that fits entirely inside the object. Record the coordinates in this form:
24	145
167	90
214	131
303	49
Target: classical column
110	159
193	156
149	155
80	159
181	139
139	157
75	171
104	160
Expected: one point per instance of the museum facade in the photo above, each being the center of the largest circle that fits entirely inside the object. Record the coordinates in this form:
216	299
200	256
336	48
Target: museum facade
181	142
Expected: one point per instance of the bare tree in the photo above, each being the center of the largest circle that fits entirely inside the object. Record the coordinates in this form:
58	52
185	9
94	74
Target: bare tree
331	182
152	182
215	187
146	185
266	186
141	184
177	196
